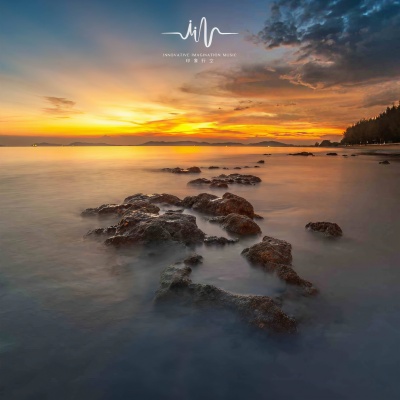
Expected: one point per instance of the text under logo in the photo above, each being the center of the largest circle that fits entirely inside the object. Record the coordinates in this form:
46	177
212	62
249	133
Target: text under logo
197	33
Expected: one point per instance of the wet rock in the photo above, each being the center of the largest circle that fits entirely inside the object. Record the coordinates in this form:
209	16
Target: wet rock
261	162
240	179
354	155
219	206
144	228
344	155
163	198
331	154
386	162
259	311
275	255
199	181
103	231
267	154
119	209
178	170
329	228
194	259
218	240
225	168
218	185
302	153
237	168
256	166
257	216
213	167
239	224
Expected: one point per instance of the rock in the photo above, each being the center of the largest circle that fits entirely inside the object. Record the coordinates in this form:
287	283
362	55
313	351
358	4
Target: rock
256	166
240	224
199	181
259	311
267	154
344	155
103	231
210	240
177	170
384	162
240	179
275	255
218	185
237	168
354	155
163	198
220	206
261	162
194	259
302	153
144	228
213	167
269	251
225	168
329	228
119	209
257	216
331	154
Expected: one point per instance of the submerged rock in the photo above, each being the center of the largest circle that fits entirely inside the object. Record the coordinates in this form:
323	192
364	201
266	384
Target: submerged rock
237	168
213	167
240	224
199	181
220	206
218	240
331	154
259	311
119	209
261	162
194	259
163	198
384	162
302	153
144	228
218	185
329	228
275	255
178	170
241	179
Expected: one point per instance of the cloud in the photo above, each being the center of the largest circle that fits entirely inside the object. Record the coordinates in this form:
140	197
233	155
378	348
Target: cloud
336	42
384	97
60	107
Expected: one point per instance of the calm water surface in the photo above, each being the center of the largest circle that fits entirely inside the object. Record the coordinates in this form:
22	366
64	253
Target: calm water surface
77	319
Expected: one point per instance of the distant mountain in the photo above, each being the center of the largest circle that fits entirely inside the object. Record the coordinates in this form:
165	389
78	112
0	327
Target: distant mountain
271	143
193	143
89	144
45	144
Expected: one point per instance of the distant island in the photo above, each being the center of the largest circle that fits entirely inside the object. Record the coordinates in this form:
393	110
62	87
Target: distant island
193	143
45	144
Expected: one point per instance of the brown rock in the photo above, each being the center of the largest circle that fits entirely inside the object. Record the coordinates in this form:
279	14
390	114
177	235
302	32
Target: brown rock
329	228
239	224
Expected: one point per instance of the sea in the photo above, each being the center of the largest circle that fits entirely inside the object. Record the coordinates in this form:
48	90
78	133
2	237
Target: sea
78	319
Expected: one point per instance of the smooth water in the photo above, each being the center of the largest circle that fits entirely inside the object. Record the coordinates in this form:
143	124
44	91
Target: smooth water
77	319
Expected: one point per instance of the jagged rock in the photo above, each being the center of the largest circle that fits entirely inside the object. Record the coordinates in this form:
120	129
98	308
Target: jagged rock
108	209
275	255
384	162
220	206
144	228
331	154
240	179
218	185
163	198
261	162
178	170
103	231
199	181
259	311
329	228
194	259
240	224
302	153
218	240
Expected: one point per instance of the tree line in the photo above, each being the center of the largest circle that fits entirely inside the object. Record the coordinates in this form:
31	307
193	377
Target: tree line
384	128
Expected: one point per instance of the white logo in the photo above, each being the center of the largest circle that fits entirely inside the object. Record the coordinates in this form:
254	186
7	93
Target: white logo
196	33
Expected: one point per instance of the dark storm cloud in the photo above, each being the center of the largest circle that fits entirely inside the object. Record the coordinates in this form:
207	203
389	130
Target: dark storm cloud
60	107
338	42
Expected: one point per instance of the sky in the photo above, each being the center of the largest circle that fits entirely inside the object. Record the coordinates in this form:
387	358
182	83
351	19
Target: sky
94	71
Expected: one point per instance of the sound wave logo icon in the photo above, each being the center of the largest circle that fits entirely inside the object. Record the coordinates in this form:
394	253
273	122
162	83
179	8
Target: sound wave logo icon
197	33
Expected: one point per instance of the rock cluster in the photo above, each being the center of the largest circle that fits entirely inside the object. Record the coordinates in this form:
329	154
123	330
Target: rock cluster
302	153
275	255
329	228
178	170
331	154
259	311
222	181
